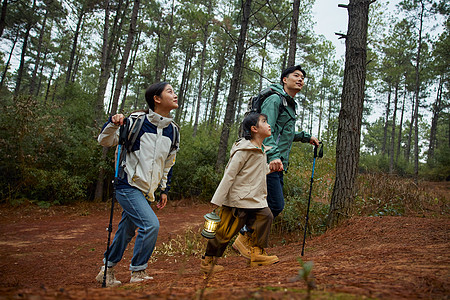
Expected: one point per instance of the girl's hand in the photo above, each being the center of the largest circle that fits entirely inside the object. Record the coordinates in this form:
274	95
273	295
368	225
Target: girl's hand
162	203
118	119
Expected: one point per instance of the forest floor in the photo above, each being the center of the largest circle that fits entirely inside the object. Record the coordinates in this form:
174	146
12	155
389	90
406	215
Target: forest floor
56	253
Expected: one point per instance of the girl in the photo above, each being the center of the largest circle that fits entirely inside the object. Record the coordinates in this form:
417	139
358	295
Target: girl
147	167
242	196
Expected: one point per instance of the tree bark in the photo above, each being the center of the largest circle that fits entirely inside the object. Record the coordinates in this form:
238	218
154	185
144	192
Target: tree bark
350	115
229	112
400	127
386	122
183	85
411	125
293	33
104	74
3	16
38	54
130	71
8	62
125	56
417	91
202	70
220	66
392	145
74	44
24	52
434	122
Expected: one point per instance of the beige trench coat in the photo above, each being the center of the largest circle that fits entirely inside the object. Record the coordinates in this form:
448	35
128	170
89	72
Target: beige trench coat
244	181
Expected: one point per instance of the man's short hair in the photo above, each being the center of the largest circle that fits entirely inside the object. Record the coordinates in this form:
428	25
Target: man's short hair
290	70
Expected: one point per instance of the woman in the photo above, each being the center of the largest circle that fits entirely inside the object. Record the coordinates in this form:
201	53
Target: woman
147	166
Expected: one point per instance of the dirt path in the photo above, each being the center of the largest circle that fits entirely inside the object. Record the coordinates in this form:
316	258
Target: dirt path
55	254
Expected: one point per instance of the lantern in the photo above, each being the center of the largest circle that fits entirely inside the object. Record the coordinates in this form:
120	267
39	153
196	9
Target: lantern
211	223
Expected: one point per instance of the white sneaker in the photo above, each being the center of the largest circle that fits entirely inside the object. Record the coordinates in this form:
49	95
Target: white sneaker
110	278
139	276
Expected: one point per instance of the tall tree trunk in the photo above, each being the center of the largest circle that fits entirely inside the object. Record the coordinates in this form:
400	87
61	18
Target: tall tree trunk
8	62
3	16
220	66
109	49
125	56
104	74
186	68
434	122
350	115
186	90
386	121
74	44
229	112
322	96
202	70
130	71
24	52
158	65
169	43
41	72
293	33
38	54
263	60
411	125
417	91
392	146
400	127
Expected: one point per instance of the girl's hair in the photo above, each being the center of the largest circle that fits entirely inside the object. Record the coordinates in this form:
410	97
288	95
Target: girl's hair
250	120
154	90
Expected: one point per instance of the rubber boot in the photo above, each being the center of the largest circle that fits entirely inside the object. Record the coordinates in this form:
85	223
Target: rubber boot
259	257
242	245
208	264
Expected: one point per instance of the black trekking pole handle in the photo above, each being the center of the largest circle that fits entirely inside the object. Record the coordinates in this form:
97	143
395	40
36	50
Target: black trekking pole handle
122	139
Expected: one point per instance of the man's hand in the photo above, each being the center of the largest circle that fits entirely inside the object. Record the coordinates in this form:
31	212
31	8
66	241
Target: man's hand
314	141
276	165
162	203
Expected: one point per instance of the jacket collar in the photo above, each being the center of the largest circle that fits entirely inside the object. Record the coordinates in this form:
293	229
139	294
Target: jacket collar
158	120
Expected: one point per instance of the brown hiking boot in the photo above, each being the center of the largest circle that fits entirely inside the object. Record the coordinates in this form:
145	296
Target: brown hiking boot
259	257
110	277
208	264
242	245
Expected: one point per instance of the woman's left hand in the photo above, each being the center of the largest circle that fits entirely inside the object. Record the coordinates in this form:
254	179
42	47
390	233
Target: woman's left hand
163	201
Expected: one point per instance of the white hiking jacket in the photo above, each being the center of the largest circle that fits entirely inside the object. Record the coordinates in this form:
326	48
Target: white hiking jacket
149	161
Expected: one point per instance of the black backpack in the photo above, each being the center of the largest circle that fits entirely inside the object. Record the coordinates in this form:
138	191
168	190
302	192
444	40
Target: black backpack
255	103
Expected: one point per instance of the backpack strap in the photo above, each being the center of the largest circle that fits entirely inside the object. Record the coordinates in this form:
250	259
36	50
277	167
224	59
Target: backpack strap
175	137
134	130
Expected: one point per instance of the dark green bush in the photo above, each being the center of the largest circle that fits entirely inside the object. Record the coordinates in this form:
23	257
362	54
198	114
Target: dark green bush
49	152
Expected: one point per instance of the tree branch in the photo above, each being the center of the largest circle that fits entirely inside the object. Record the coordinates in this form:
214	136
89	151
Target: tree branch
341	35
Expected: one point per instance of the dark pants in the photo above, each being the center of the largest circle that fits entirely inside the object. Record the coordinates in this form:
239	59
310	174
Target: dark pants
232	220
275	198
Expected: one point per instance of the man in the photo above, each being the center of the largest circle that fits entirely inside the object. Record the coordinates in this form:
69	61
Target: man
280	111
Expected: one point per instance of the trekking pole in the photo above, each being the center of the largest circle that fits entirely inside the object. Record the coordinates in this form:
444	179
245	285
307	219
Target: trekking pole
122	139
310	190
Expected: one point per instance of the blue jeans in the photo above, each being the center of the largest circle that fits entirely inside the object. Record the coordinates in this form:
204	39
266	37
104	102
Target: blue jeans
275	197
137	213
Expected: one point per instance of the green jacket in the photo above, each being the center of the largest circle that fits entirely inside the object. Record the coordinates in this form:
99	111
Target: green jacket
282	123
